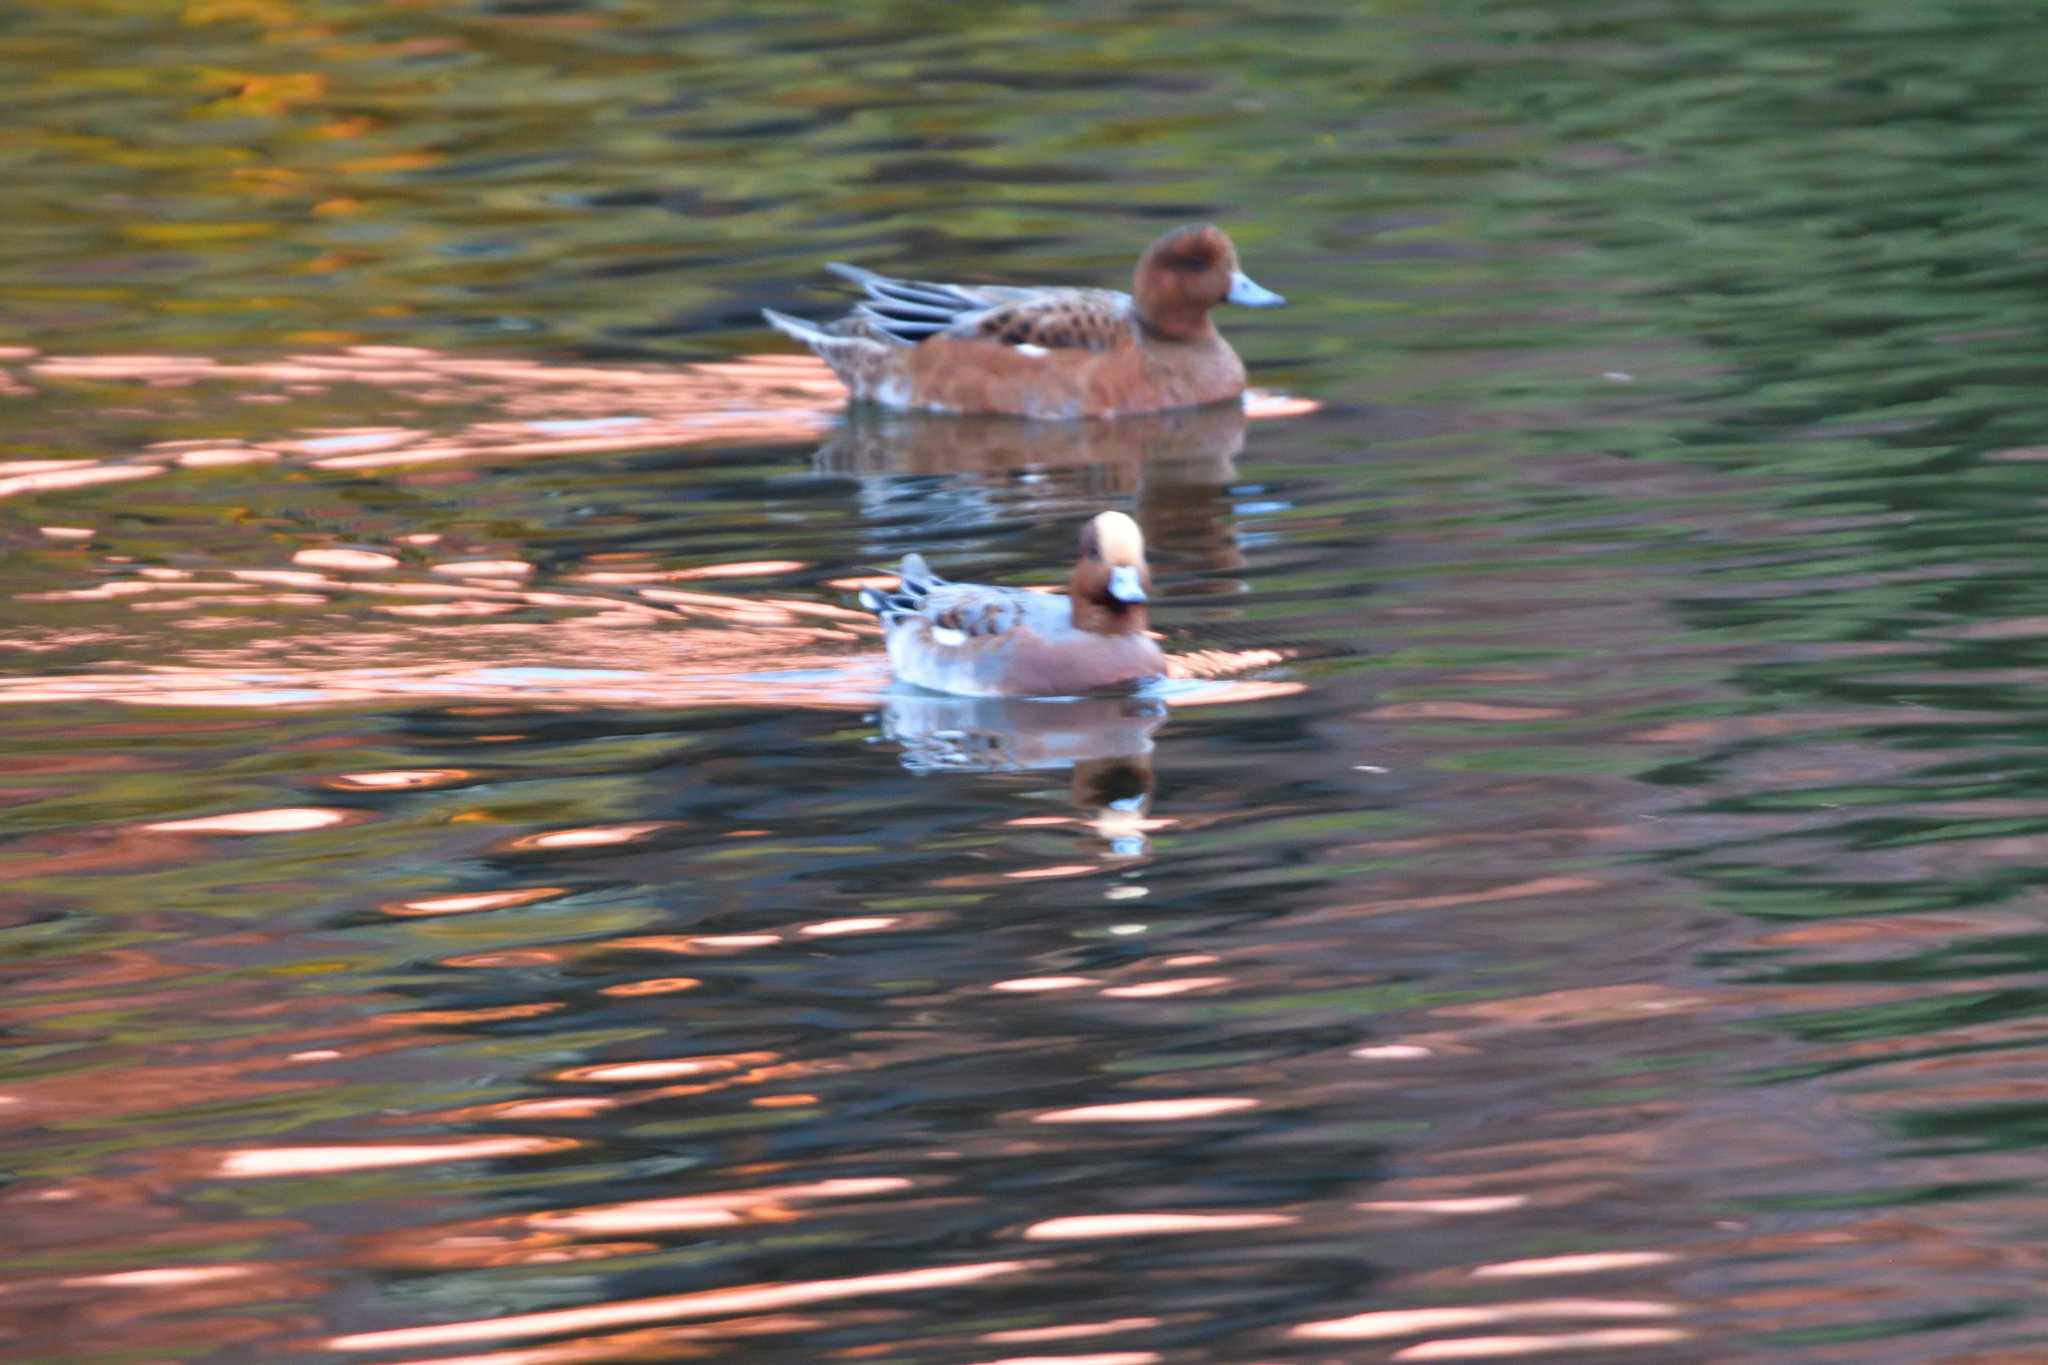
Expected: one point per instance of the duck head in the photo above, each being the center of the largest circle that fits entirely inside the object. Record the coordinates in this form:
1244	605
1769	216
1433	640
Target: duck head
1110	583
1186	273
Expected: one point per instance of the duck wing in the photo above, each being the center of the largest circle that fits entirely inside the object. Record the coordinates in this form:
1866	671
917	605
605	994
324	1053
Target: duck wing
1054	320
955	615
1051	319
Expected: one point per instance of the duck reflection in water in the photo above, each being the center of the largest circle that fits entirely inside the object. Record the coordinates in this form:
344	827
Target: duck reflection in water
880	441
1173	469
1105	741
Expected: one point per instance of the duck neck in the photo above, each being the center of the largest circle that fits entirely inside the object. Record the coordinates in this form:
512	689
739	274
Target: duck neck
1108	618
1096	612
1175	322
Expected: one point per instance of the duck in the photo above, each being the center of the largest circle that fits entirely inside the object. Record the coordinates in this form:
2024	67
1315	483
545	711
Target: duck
979	640
1054	353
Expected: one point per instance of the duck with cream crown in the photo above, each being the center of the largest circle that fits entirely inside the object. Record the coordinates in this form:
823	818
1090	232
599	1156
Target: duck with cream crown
979	640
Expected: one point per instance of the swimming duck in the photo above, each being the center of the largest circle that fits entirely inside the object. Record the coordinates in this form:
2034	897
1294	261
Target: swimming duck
974	640
1046	352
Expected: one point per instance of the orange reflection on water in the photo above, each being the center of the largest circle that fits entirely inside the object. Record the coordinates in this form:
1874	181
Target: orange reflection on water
1488	1348
1026	874
1222	663
1091	1226
668	667
567	1107
471	902
541	409
1446	1208
533	409
509	1240
1231	693
483	568
408	779
1095	1358
1263	403
860	924
764	1203
284	820
708	1303
1019	1336
664	1343
484	1014
751	568
768	611
856	583
717	1074
1590	1263
682	944
660	647
164	1277
75	474
654	985
508	957
224	458
590	836
273	1161
633	1073
1150	1111
693	944
485	1250
1402	1322
443	611
345	560
1031	985
1150	990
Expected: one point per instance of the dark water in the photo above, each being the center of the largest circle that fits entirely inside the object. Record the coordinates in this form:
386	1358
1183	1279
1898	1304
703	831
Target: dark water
467	893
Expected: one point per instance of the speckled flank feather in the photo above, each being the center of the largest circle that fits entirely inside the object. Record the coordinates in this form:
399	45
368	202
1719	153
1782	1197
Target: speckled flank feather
864	357
1058	320
1051	319
1051	353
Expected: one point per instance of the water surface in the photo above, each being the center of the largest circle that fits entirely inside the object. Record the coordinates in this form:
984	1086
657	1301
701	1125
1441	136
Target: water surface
470	892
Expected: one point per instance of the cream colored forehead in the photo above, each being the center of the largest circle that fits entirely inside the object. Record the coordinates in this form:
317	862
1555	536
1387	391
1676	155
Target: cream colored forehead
1119	539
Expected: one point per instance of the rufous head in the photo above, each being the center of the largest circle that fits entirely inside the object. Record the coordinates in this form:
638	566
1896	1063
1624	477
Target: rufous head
1186	273
1111	582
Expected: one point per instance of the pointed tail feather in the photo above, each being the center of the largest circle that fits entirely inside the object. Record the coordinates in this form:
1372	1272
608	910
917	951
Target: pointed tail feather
888	290
796	327
918	578
867	362
914	579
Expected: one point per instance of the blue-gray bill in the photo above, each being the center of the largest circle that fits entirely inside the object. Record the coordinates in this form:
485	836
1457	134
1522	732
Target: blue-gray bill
1249	293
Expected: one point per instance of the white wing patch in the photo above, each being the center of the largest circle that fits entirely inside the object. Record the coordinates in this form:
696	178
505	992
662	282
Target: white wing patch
1035	352
946	635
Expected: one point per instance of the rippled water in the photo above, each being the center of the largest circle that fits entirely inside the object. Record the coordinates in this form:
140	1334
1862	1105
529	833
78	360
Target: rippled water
469	892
